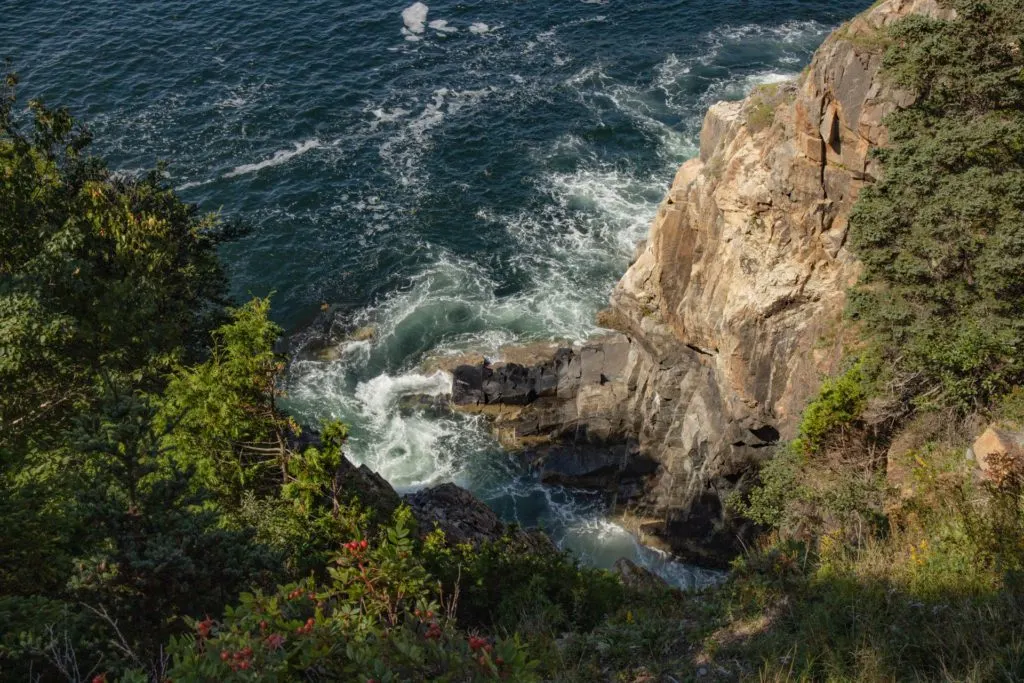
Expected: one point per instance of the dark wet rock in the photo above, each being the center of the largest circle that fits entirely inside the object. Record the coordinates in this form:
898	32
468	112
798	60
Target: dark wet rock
618	468
435	406
508	383
372	489
464	518
704	534
638	578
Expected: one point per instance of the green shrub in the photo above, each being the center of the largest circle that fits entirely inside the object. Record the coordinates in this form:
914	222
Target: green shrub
380	618
764	100
510	584
818	482
836	409
940	234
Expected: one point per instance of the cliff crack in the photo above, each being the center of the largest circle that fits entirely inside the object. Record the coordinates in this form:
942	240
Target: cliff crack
703	352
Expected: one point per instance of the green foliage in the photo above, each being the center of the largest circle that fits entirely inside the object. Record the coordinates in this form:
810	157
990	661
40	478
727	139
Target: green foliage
935	598
764	100
106	285
941	235
222	415
810	485
380	618
649	636
311	468
156	549
99	275
514	583
780	484
837	407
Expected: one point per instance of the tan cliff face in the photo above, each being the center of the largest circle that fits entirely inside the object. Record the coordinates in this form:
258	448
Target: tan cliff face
731	314
734	305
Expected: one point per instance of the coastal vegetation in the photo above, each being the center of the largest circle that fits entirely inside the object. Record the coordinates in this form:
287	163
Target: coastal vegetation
164	519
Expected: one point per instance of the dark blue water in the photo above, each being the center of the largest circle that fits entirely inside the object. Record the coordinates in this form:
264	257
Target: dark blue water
456	181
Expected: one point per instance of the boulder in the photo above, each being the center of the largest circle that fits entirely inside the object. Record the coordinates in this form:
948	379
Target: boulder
999	455
507	383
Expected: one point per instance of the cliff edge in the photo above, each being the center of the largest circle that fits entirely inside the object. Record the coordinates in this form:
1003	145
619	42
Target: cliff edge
731	314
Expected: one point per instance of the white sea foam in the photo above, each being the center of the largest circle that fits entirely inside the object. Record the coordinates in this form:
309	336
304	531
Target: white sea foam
415	17
738	87
479	28
790	33
403	150
382	116
770	77
442	26
279	157
381	393
233	102
192	184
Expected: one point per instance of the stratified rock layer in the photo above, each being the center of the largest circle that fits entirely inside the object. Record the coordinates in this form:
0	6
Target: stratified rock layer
731	314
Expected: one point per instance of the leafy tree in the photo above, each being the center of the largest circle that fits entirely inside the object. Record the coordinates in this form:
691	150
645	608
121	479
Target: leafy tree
104	281
98	273
222	415
157	550
106	285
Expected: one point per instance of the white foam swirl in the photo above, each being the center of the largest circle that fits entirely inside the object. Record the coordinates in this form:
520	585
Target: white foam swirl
279	157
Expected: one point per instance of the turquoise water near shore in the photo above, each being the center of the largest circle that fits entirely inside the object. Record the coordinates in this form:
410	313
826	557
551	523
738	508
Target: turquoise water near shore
456	176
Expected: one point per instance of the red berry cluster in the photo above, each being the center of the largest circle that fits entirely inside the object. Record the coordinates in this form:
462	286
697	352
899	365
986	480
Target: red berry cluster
433	628
356	547
205	627
101	678
308	627
477	643
298	593
238	661
275	641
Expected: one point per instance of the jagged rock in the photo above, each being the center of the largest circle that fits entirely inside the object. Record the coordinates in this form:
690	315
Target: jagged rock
507	383
638	578
732	314
371	488
464	518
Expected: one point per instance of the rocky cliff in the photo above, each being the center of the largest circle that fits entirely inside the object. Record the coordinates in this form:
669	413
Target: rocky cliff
731	314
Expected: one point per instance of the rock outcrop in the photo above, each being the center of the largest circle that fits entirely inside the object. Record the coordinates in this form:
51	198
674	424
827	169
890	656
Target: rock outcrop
464	518
730	316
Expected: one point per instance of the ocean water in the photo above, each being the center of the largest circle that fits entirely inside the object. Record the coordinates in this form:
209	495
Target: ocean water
457	176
